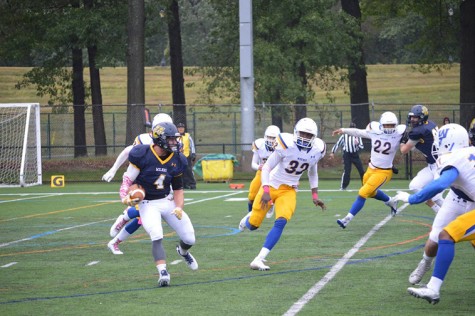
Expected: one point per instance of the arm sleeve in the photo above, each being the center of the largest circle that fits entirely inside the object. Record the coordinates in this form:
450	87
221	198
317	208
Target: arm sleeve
313	176
124	154
270	164
356	132
443	182
127	179
255	161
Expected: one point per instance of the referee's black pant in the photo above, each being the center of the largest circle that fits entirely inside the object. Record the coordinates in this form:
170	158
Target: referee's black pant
189	181
348	160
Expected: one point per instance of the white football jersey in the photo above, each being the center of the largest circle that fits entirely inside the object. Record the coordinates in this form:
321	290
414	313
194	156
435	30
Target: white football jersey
259	147
383	146
464	161
143	139
288	162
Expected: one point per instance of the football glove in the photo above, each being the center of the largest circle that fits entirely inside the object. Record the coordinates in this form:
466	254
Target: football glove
129	201
109	175
178	212
402	196
320	203
395	170
193	157
405	137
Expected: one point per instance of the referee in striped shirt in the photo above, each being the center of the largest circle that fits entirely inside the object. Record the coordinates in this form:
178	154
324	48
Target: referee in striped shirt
350	145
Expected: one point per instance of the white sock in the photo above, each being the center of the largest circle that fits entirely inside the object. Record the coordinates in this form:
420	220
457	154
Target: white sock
182	251
349	216
126	215
435	284
427	258
162	266
263	253
123	234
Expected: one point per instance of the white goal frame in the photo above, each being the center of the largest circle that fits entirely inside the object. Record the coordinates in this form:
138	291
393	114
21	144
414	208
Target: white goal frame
26	148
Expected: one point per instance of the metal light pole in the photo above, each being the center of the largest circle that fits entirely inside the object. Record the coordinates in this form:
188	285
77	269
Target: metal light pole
246	74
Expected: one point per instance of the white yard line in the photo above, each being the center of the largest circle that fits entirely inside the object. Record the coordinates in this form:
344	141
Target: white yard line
28	198
297	307
49	233
92	263
92	223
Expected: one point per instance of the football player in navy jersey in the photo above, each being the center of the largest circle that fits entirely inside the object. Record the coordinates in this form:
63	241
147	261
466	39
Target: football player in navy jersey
118	231
156	167
421	137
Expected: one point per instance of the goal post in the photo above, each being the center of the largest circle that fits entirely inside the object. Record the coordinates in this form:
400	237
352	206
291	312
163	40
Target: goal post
20	144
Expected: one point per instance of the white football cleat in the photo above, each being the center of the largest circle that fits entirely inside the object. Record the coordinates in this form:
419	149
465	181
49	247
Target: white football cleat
392	203
270	212
258	264
418	273
189	259
113	246
164	279
343	222
429	295
117	226
242	223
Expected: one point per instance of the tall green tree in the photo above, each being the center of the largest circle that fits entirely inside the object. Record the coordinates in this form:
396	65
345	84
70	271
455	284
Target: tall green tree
176	61
433	35
135	70
51	35
298	47
467	62
356	67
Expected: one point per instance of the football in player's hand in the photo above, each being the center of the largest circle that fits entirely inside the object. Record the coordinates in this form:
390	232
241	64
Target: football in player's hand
136	191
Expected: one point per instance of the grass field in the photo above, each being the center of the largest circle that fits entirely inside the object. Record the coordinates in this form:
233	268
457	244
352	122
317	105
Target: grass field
54	259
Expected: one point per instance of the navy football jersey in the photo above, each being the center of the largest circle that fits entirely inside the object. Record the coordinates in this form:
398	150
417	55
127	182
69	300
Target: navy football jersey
156	174
424	136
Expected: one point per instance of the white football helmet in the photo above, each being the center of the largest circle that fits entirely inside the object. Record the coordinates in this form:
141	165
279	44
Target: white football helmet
450	138
388	118
270	136
161	117
305	125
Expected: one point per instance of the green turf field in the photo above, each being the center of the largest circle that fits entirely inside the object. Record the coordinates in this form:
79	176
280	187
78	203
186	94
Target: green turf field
54	259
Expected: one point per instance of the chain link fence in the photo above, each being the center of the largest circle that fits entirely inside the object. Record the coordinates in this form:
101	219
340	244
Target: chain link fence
214	128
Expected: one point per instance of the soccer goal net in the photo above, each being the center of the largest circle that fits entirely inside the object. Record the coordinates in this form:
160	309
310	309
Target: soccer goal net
20	145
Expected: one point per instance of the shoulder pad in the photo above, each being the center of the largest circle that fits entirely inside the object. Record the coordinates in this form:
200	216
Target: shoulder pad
374	128
183	159
142	139
319	145
400	129
139	151
259	142
285	140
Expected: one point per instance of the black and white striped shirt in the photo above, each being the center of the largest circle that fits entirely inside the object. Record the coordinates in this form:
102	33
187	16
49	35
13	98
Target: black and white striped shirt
348	143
